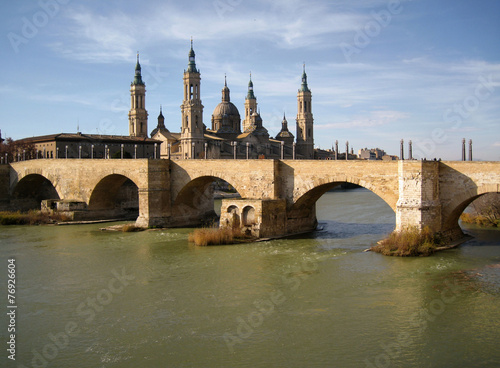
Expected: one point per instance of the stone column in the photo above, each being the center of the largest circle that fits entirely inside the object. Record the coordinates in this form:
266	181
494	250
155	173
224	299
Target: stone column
470	149
336	150
347	150
463	150
402	150
410	150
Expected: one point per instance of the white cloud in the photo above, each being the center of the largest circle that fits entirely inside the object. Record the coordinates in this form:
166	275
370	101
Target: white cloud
372	119
99	37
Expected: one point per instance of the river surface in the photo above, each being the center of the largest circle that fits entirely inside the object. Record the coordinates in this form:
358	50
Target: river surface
87	298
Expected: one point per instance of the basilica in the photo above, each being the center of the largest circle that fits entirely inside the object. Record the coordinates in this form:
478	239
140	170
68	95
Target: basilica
228	136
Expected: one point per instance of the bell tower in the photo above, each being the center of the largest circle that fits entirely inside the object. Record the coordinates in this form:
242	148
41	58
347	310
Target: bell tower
138	116
250	105
192	128
305	134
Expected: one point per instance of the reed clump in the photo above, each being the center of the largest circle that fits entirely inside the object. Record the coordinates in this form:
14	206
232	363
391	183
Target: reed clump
217	236
409	243
484	211
481	220
30	218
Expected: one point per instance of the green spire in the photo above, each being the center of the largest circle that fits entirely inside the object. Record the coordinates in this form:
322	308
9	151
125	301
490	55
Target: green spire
192	65
225	91
250	95
138	76
304	87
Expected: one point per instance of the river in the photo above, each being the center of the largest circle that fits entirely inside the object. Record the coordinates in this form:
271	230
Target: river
87	298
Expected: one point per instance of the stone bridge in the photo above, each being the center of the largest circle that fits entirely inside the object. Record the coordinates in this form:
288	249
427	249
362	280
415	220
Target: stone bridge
277	196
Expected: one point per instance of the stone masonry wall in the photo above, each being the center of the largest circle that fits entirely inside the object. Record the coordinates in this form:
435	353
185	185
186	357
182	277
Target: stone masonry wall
418	205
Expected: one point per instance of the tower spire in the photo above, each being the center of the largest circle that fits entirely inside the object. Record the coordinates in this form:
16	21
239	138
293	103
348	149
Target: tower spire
225	91
138	116
250	95
304	87
305	121
138	76
192	133
192	64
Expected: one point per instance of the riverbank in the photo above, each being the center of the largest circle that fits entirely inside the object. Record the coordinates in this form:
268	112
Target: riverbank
31	218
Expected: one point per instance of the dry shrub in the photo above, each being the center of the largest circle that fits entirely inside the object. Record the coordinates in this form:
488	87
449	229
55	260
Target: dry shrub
130	228
484	211
216	236
408	243
480	220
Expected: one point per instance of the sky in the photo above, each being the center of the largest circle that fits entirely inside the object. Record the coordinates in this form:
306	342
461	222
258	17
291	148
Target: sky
379	70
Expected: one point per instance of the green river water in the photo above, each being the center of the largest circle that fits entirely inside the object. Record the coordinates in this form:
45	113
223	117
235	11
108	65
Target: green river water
87	298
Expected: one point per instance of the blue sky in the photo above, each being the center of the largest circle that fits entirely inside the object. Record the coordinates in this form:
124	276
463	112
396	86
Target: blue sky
379	71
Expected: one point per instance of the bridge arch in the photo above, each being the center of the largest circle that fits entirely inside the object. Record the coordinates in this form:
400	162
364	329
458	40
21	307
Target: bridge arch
117	195
30	190
194	202
302	213
307	195
452	212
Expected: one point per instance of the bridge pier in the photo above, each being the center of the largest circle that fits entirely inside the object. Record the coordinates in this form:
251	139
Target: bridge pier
154	198
419	204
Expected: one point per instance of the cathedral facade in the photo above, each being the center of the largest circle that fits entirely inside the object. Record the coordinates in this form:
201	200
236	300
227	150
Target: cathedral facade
230	135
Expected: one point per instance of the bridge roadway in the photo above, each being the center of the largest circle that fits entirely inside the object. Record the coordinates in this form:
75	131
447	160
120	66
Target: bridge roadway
278	196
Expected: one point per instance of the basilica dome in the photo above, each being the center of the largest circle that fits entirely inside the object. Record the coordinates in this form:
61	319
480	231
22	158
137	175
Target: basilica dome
226	108
226	117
